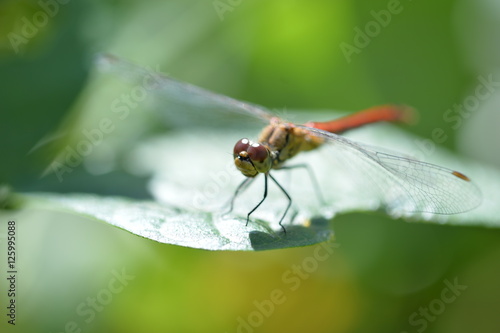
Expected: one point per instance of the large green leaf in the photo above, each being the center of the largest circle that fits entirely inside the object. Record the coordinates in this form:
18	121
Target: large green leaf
192	183
172	225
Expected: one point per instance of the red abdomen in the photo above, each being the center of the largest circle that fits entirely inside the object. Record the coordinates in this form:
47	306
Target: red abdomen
392	113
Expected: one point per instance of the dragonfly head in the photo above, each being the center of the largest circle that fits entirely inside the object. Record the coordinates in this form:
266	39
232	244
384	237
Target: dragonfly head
251	158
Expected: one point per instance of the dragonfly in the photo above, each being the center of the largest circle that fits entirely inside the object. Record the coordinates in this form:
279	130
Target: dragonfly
411	185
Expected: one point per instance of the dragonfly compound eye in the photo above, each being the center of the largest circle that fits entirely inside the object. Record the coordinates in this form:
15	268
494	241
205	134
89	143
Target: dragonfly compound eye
257	152
240	146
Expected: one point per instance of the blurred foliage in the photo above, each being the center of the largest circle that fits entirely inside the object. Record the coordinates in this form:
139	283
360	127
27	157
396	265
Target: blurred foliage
283	54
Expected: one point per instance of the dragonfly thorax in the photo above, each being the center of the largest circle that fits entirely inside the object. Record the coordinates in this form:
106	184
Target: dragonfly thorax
252	158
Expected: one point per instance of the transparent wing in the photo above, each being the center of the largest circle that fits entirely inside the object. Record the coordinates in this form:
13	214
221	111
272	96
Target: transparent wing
404	184
205	105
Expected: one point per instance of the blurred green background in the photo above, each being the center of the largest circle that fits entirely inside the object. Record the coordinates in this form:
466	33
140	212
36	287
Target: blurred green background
277	53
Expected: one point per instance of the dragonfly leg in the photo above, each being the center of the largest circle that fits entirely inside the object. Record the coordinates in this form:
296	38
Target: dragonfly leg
242	187
263	198
312	177
289	202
